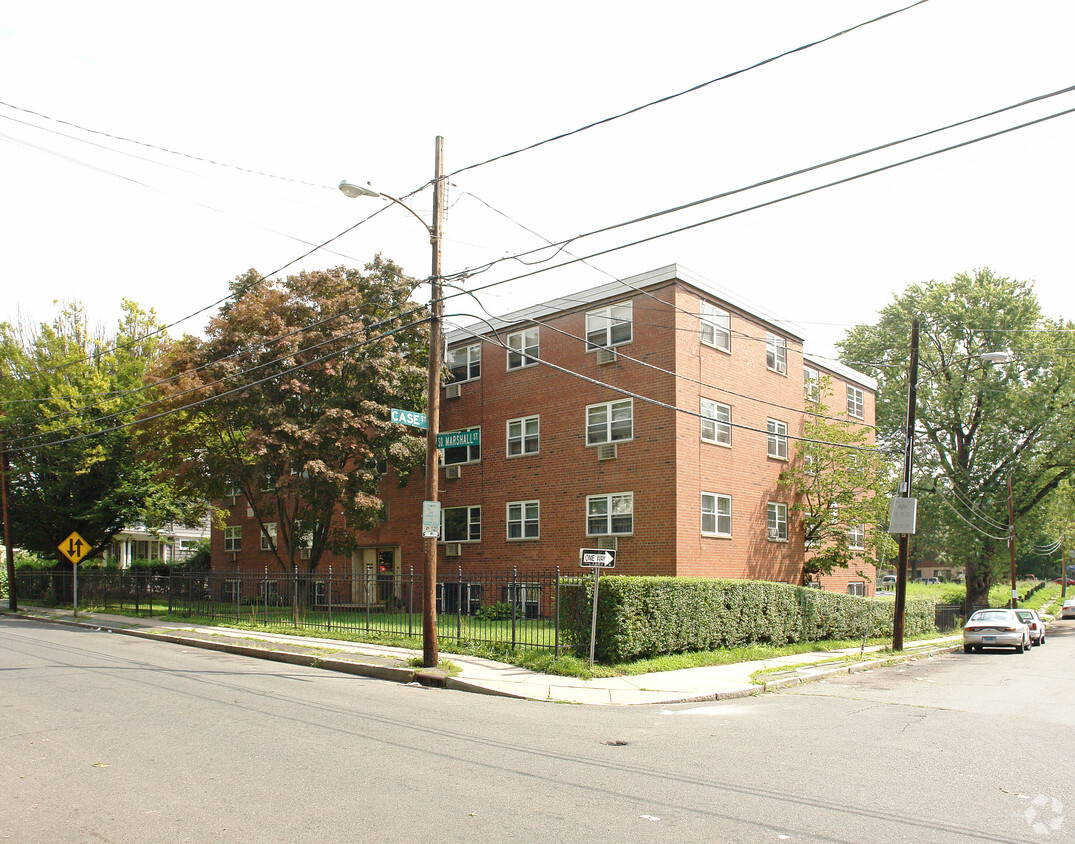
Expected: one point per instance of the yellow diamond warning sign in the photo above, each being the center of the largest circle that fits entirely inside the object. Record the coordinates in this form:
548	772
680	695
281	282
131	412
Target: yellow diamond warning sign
75	548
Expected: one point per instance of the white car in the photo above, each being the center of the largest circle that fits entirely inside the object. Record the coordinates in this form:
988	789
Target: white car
995	629
1037	628
1068	610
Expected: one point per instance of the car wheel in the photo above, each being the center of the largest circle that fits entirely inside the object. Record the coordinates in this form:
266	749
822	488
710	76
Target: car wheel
1020	649
967	649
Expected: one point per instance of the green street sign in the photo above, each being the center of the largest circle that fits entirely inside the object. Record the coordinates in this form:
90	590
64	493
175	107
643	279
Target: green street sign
409	417
458	438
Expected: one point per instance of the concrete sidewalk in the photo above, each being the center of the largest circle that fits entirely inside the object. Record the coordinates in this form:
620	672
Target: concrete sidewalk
497	678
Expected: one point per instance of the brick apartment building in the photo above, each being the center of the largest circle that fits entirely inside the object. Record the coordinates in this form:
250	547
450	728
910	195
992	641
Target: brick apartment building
651	415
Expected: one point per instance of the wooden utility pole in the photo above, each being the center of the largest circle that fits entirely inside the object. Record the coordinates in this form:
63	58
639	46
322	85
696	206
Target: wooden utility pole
905	492
1011	540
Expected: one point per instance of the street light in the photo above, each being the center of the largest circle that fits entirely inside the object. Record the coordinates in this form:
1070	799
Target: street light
430	657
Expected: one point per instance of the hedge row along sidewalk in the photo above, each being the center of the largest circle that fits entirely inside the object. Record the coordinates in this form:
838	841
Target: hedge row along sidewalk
496	678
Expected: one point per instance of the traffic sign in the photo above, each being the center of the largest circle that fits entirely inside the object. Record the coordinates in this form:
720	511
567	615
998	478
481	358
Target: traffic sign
901	515
430	519
597	558
75	548
459	438
409	417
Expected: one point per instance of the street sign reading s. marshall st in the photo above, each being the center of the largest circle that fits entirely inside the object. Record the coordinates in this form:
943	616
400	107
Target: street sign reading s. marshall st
459	438
597	558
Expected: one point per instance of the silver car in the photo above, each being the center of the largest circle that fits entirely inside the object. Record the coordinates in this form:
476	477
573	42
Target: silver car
995	629
1037	627
1068	610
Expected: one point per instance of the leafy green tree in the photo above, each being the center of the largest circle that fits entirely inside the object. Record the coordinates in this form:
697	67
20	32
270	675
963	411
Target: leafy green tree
68	392
838	480
287	402
978	423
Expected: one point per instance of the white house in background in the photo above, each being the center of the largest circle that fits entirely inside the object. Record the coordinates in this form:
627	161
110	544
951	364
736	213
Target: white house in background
170	543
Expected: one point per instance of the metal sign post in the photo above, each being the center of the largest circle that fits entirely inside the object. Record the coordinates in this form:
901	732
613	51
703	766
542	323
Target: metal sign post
75	548
596	559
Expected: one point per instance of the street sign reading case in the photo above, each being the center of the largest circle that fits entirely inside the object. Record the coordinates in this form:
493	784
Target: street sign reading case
597	558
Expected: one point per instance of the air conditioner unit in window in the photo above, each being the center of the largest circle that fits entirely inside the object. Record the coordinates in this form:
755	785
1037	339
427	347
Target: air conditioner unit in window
606	451
453	473
452	391
453	549
606	356
606	543
774	533
250	512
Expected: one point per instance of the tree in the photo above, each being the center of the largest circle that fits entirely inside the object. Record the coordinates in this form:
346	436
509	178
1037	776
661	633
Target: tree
69	390
978	423
838	479
287	403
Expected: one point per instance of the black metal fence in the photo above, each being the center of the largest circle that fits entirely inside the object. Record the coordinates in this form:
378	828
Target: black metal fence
509	608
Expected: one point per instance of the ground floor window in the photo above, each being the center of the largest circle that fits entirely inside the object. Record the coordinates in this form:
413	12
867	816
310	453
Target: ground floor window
778	521
523	519
611	514
461	524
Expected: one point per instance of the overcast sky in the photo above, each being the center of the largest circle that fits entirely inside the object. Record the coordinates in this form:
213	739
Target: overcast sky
308	94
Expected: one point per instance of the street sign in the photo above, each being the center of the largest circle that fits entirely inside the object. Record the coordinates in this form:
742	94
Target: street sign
430	519
459	438
597	558
75	548
901	515
409	417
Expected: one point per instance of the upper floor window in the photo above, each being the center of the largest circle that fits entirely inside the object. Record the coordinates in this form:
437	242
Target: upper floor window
715	327
461	524
777	439
811	384
778	521
610	514
233	538
610	422
609	326
776	353
856	537
524	519
855	405
465	362
268	537
523	348
454	455
524	436
716	422
716	514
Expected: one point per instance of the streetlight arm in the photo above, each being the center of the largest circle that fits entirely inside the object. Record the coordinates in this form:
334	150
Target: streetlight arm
350	189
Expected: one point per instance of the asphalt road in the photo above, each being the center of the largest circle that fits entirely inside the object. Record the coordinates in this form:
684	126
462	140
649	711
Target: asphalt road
108	738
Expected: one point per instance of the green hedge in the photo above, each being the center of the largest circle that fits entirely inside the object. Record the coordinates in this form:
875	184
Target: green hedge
646	616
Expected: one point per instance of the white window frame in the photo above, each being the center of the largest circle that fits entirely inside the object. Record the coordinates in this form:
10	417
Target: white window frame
234	542
811	384
523	436
525	516
522	350
777	521
608	322
610	501
607	435
474	452
856	403
856	537
856	588
473	362
716	423
715	326
473	523
777	439
776	353
268	543
716	509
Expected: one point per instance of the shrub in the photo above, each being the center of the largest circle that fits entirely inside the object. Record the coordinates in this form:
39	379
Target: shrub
647	616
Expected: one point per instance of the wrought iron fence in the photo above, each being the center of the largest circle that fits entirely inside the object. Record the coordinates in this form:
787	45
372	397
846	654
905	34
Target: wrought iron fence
512	608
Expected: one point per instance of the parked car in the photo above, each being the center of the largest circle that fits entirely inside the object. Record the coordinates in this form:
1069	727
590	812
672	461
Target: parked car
1037	628
1068	610
888	580
995	629
929	581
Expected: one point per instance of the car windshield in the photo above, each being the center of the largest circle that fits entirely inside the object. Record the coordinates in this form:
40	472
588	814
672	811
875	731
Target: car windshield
1026	616
996	615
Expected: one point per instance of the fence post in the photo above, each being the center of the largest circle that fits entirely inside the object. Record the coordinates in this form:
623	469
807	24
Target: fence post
328	596
514	601
556	653
410	603
238	592
369	577
459	605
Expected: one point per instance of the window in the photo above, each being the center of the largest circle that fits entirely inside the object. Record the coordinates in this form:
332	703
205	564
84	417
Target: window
856	537
268	543
524	436
857	588
716	327
232	591
233	538
854	402
610	422
461	524
234	494
465	362
778	522
523	519
776	353
268	484
609	326
716	422
456	454
778	439
716	514
811	384
523	348
610	514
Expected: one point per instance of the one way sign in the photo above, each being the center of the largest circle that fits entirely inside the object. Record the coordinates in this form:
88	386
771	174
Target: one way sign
597	558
